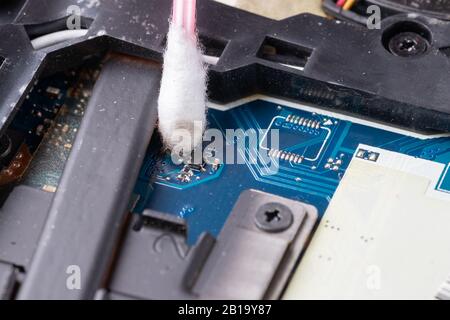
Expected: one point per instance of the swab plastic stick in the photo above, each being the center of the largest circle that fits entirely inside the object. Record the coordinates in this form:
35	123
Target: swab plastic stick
182	99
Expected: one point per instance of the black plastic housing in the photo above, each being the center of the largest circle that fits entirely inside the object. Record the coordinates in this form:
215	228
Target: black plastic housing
347	67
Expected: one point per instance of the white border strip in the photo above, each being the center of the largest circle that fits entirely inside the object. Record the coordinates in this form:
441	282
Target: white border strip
411	165
336	115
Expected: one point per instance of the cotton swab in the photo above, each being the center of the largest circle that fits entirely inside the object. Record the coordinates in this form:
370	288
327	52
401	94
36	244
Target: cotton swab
182	99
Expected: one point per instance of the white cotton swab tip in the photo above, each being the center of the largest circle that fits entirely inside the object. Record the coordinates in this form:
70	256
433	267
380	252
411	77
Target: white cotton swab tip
182	99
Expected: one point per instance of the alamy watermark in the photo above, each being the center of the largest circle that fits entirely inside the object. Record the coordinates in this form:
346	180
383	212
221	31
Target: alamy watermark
373	281
73	280
374	18
73	21
230	146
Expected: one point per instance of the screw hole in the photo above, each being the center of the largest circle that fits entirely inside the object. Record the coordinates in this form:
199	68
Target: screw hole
407	44
272	215
407	39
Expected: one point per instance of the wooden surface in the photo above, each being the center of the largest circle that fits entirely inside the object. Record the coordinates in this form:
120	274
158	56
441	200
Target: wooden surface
277	9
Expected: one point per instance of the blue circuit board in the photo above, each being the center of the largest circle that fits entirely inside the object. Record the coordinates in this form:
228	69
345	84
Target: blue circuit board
313	153
49	120
44	128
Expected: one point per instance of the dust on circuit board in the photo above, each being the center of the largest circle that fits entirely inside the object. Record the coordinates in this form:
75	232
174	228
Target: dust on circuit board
51	156
160	168
314	152
45	127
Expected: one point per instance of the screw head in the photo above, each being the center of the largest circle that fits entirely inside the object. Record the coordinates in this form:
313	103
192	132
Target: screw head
408	44
273	217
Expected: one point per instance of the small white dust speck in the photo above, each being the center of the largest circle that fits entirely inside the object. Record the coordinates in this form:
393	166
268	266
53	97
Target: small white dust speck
92	3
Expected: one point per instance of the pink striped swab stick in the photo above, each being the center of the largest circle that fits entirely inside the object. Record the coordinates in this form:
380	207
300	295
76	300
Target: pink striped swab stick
184	15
